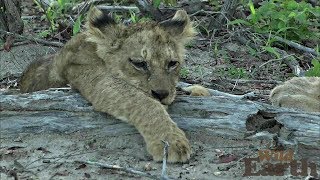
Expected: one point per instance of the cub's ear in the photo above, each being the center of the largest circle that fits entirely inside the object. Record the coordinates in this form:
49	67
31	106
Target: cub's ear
179	26
100	24
102	30
98	19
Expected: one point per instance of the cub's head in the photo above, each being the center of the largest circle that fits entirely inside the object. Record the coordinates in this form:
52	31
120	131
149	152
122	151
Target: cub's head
146	55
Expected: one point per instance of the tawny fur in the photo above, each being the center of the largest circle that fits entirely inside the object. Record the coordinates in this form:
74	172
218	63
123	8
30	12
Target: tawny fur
197	90
302	93
117	69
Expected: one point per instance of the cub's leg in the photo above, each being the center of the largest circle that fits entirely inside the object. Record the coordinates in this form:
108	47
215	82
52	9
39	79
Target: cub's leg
39	76
123	101
299	102
301	93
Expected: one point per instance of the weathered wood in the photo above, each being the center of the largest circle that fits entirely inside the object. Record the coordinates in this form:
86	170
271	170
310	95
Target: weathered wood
227	11
66	112
10	20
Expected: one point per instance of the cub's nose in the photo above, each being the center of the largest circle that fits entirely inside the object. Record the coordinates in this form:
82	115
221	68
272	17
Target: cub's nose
160	94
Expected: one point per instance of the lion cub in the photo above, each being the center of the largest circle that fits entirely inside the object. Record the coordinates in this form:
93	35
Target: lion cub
299	93
129	72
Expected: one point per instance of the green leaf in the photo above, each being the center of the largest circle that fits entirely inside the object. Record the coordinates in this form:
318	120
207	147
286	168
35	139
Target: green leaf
315	70
156	3
184	72
239	21
133	17
253	11
77	26
272	51
292	14
44	34
285	29
61	3
170	2
292	5
252	51
301	17
281	25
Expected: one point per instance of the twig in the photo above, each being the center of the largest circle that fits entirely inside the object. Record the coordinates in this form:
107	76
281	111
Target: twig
118	168
84	6
243	81
295	45
60	89
146	7
250	95
41	41
289	60
227	11
119	8
273	60
16	44
203	12
164	161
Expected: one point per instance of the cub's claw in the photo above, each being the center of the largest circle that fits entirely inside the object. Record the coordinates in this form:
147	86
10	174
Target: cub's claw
179	149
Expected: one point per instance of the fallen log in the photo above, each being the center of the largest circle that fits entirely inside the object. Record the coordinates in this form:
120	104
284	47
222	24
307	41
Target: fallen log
58	111
204	119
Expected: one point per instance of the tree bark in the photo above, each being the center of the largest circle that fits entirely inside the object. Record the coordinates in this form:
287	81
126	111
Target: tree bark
65	112
10	20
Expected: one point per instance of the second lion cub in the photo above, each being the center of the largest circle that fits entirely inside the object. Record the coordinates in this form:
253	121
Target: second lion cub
302	93
126	71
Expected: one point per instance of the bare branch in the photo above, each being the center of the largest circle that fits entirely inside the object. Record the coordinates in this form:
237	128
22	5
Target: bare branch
118	8
289	60
118	168
41	41
213	92
296	45
164	162
227	11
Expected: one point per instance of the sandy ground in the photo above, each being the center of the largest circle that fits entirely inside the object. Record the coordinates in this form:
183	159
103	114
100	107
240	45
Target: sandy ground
54	156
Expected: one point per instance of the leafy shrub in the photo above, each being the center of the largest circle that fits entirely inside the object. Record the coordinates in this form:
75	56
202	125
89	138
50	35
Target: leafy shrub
286	18
57	12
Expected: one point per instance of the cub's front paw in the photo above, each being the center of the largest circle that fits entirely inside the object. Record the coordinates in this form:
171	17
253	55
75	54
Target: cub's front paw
197	90
179	149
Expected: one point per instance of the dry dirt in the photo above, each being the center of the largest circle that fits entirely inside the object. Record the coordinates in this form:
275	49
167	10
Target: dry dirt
54	155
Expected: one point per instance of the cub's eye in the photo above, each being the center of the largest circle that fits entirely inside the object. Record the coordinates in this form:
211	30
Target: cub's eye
172	65
139	65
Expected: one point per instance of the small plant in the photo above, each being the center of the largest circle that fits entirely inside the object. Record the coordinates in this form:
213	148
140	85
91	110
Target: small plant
237	73
44	33
133	17
315	70
184	72
156	3
77	25
289	19
216	5
57	13
233	72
